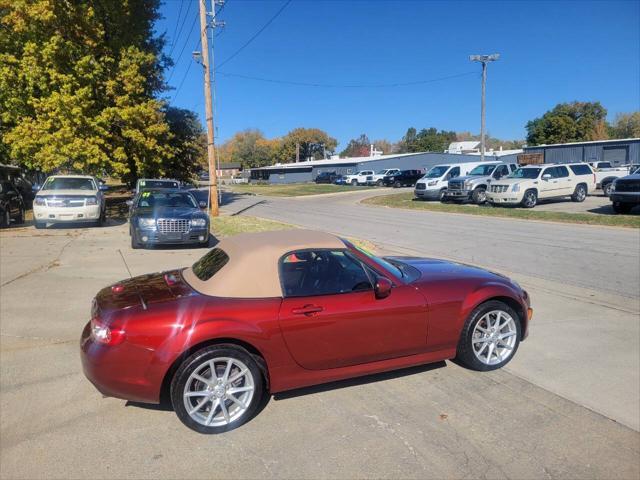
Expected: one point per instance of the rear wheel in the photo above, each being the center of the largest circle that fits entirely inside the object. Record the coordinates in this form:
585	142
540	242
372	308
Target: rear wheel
397	185
606	189
490	337
379	183
579	194
354	183
479	195
530	199
217	389
621	207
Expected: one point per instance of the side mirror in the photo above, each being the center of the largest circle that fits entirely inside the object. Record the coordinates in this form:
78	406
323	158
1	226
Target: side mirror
383	287
203	205
103	187
129	203
546	176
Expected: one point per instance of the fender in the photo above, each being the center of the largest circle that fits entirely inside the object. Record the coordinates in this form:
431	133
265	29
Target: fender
487	291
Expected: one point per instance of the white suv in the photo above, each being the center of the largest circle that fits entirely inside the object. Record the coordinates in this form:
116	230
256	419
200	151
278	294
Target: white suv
528	184
358	178
376	178
69	198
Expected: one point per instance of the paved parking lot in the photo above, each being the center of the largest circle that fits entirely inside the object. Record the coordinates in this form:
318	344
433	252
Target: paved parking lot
566	407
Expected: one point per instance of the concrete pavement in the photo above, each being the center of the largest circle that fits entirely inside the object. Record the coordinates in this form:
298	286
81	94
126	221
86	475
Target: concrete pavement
437	421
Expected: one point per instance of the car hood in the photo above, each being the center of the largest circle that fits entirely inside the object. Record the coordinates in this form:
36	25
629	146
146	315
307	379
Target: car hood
469	178
511	181
436	270
170	212
57	193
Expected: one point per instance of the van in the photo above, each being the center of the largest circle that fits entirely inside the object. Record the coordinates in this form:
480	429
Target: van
433	185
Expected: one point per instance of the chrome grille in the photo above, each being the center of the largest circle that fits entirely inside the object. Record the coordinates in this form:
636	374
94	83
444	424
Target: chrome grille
168	225
455	185
499	188
65	201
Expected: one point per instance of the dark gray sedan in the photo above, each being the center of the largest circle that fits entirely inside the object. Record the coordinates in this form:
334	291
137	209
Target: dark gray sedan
167	216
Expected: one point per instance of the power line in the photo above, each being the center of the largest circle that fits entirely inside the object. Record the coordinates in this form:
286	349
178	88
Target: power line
195	19
337	85
175	31
186	15
186	72
255	35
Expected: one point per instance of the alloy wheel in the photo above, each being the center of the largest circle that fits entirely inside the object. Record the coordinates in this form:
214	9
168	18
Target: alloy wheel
218	391
494	337
530	199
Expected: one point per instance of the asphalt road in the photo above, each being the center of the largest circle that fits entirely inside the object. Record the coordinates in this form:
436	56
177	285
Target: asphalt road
439	421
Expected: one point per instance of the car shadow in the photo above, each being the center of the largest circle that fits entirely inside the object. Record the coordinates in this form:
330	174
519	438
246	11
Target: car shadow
352	382
608	210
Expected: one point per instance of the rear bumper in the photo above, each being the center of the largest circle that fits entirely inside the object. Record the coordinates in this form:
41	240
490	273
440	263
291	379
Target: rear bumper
121	371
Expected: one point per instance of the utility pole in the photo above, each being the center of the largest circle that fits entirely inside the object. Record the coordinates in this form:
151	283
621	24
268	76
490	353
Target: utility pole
211	155
484	59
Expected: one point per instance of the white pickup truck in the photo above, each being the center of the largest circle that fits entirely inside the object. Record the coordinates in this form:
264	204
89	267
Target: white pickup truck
376	178
358	178
605	174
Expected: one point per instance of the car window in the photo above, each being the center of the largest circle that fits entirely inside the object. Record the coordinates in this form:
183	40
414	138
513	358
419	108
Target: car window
501	171
530	173
482	170
604	165
322	272
160	199
581	169
562	172
210	264
436	172
550	171
66	183
454	172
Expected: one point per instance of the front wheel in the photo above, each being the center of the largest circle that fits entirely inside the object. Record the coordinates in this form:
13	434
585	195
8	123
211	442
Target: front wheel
442	195
5	218
579	194
217	389
490	337
479	195
354	183
530	199
397	185
379	183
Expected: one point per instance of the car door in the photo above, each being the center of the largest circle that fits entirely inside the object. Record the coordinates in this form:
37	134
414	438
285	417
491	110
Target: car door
330	316
566	182
548	186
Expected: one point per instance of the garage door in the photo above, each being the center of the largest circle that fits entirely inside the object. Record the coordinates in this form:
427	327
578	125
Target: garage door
615	155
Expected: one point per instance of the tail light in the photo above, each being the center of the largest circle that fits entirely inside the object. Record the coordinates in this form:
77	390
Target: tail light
106	334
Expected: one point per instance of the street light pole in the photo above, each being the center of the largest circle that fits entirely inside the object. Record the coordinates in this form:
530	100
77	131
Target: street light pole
484	59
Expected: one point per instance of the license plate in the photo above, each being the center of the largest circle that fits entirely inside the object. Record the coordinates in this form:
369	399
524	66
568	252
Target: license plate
173	236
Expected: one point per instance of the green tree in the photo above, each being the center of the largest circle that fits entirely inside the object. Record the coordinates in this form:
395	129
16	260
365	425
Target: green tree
314	143
568	122
626	125
78	86
405	144
188	142
250	148
357	147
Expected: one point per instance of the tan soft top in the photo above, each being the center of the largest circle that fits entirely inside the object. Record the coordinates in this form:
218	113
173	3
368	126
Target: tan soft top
252	269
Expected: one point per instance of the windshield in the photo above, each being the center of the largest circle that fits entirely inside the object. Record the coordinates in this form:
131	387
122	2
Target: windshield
382	172
174	200
378	261
436	172
67	183
158	184
483	170
525	173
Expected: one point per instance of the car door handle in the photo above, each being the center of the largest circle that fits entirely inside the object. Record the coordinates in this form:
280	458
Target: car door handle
307	310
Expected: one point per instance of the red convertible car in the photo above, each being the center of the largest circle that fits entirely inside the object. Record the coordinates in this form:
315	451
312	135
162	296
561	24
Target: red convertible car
262	313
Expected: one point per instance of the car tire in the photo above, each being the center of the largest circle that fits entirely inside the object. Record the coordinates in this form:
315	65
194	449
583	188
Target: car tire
580	193
354	183
134	244
441	195
40	225
21	215
530	199
5	218
606	189
229	361
397	185
482	351
479	195
379	183
621	208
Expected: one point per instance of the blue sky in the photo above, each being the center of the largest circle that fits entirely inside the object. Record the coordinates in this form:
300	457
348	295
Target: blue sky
551	52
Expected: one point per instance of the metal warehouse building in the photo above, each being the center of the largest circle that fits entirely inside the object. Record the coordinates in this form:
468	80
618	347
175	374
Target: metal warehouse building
618	152
307	171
